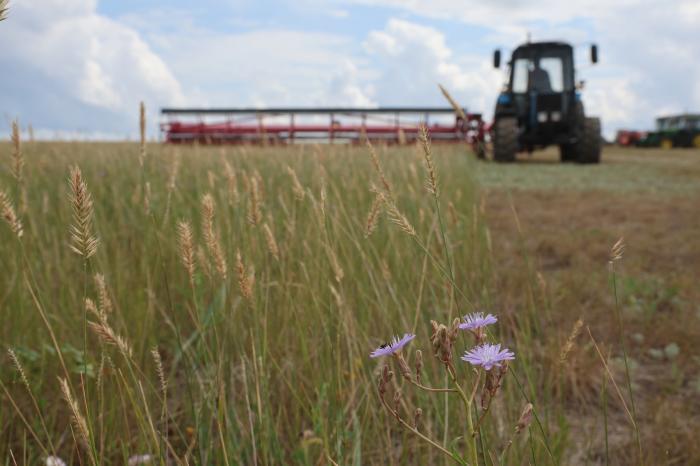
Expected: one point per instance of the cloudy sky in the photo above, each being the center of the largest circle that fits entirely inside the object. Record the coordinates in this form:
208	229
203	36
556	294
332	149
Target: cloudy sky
80	67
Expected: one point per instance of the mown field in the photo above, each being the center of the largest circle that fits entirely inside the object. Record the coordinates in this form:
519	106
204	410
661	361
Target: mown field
226	313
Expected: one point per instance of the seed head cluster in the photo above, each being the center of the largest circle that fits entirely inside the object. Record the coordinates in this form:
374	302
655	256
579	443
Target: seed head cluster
7	211
83	241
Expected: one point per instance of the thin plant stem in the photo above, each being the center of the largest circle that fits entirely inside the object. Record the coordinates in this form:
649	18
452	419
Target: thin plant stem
628	378
469	438
604	401
416	431
537	418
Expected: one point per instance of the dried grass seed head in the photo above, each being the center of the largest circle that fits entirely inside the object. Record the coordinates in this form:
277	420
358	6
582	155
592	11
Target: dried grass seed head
246	279
297	188
17	156
569	344
231	183
617	250
186	243
105	333
373	215
3	9
378	169
455	106
79	422
19	367
83	241
272	246
254	202
142	133
158	361
211	238
399	218
103	294
432	182
8	213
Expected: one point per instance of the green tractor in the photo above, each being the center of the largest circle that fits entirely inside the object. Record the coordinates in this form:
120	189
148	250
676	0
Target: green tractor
540	105
674	131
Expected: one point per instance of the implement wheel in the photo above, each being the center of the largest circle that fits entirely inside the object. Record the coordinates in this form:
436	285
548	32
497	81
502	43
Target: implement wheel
505	139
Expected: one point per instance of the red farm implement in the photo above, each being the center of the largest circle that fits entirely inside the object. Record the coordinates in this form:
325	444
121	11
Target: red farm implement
629	138
292	125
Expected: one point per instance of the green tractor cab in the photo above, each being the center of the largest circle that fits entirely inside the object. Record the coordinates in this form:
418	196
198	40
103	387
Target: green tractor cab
540	105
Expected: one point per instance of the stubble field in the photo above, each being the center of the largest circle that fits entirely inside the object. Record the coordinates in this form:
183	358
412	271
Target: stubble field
234	294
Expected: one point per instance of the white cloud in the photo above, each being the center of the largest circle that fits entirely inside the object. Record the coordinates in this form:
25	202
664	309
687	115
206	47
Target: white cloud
413	59
265	67
87	61
649	49
71	68
338	13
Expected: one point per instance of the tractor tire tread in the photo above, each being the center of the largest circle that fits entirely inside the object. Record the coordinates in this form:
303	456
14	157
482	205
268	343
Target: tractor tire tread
505	144
590	145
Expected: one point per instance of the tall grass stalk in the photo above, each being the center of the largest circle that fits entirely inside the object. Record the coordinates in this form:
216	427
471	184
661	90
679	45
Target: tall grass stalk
268	362
616	255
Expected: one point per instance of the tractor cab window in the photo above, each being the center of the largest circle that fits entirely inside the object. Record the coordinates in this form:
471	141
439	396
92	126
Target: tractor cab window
545	74
521	69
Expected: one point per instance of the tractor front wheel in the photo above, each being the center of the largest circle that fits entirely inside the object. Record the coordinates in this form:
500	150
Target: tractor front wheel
590	144
505	139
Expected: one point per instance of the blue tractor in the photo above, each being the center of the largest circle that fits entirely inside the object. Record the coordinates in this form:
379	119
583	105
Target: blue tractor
540	105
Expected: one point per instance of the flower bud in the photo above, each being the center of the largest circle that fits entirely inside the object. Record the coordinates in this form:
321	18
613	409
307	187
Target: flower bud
419	364
381	386
397	400
416	417
403	366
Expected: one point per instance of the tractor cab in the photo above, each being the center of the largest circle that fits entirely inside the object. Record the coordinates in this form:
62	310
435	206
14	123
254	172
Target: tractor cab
540	105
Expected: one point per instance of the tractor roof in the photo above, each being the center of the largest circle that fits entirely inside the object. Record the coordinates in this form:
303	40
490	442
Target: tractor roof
542	45
686	116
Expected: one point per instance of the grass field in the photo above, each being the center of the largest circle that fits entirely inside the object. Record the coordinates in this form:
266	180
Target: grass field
248	341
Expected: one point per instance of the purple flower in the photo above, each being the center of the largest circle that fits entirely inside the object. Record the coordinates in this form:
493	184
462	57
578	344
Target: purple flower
391	348
488	356
477	320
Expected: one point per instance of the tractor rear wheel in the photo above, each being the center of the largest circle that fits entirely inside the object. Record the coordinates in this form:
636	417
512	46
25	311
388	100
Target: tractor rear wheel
505	139
567	153
589	145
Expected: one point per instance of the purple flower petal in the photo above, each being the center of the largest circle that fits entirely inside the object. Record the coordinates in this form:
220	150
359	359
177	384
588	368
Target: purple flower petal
488	356
391	348
477	320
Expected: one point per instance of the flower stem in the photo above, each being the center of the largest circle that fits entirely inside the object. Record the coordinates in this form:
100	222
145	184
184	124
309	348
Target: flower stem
431	389
469	438
416	431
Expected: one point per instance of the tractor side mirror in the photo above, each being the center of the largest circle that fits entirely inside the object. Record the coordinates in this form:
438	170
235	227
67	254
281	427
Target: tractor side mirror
594	53
497	59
